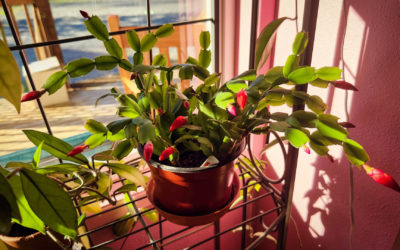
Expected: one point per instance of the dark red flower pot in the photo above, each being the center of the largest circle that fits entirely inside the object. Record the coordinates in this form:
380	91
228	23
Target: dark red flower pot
194	191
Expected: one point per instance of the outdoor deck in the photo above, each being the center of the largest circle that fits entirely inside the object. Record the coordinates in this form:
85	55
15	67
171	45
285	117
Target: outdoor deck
65	120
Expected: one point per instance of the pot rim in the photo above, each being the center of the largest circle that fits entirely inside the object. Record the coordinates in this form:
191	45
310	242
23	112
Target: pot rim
19	238
162	166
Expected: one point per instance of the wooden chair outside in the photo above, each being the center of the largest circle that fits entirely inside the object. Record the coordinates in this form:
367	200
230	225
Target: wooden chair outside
185	37
43	27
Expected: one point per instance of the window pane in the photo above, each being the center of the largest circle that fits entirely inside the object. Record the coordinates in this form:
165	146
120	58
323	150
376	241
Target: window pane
70	107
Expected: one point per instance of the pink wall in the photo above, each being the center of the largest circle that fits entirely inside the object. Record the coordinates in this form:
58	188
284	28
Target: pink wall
372	57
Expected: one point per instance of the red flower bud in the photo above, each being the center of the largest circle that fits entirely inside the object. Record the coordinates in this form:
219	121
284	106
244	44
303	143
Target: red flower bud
344	85
33	95
77	150
241	98
167	152
347	124
133	76
231	109
179	122
148	151
160	111
186	104
84	14
306	149
381	177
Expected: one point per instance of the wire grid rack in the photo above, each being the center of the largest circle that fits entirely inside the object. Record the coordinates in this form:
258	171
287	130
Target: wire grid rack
238	225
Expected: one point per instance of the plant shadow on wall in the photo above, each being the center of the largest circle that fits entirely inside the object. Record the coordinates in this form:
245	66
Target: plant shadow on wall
375	73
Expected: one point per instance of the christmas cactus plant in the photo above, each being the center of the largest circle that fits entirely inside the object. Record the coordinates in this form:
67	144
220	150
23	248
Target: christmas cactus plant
183	127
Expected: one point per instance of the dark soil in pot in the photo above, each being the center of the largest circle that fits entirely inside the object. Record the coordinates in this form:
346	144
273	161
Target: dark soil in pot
28	239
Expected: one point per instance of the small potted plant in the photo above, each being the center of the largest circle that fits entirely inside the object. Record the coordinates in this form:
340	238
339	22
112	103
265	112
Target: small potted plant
190	138
37	201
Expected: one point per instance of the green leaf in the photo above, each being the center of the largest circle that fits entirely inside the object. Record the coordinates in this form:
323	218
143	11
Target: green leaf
126	100
191	60
201	72
133	40
36	156
5	216
205	141
293	122
138	58
302	75
300	43
142	69
205	39
317	138
316	104
205	58
274	74
123	227
64	168
106	62
355	152
54	146
296	137
95	127
95	140
117	125
223	99
236	87
279	116
6	191
122	149
291	63
113	48
104	156
186	72
327	125
265	41
305	118
81	219
127	112
97	28
160	59
249	75
212	112
55	82
126	188
104	182
117	136
146	132
14	165
28	217
125	64
280	126
212	79
152	215
319	83
319	149
50	202
147	42
10	77
165	30
329	73
129	172
80	67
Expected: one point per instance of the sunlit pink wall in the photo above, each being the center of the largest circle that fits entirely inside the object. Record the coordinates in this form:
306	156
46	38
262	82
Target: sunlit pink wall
372	58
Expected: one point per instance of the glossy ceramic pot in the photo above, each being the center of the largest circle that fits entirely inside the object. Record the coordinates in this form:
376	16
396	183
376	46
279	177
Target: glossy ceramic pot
194	191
